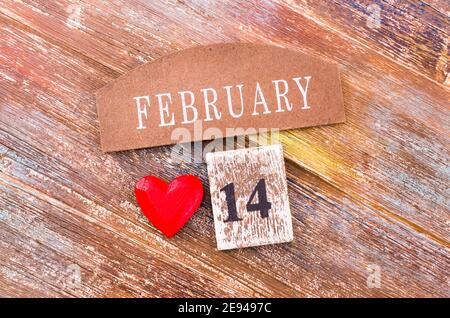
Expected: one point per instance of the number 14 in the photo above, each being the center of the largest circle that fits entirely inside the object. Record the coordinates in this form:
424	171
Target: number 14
263	206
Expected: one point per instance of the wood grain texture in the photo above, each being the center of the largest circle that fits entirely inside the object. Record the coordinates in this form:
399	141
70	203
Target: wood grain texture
371	191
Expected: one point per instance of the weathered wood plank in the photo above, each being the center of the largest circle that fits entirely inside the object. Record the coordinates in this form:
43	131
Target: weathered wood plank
38	103
313	264
410	32
361	69
441	6
57	184
389	117
48	236
125	31
85	184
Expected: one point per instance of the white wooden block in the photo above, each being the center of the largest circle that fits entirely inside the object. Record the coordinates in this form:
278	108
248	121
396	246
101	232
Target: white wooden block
249	197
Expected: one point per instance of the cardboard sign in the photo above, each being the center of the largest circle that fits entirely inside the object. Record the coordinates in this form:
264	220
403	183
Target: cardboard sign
249	197
217	91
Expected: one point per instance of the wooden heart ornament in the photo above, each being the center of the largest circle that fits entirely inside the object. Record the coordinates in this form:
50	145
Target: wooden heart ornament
169	206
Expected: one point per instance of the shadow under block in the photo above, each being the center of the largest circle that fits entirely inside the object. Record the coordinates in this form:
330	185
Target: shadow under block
249	197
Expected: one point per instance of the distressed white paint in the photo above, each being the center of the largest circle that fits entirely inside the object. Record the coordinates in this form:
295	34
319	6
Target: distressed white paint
244	168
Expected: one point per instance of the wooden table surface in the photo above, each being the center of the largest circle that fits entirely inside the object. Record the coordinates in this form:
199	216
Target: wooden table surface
369	198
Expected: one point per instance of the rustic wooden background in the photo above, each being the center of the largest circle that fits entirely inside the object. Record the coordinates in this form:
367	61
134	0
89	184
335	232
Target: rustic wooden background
371	193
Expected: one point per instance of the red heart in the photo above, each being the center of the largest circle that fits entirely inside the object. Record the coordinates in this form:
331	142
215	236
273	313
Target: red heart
169	206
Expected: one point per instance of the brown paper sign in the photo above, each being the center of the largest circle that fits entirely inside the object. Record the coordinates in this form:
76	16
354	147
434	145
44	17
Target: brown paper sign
207	92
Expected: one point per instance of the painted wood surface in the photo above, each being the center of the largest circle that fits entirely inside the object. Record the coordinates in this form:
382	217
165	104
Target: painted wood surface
368	195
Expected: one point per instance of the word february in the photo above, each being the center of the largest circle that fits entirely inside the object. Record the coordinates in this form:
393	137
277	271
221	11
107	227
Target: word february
218	87
209	102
